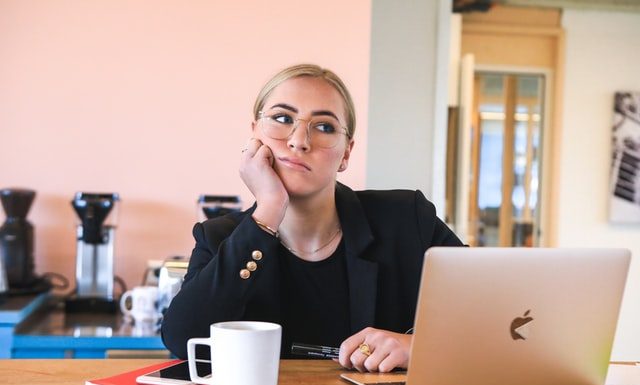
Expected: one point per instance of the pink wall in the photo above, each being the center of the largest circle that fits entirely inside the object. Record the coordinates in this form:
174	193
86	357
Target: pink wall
152	99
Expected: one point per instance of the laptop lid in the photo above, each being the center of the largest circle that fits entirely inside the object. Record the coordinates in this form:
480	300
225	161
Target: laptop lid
526	316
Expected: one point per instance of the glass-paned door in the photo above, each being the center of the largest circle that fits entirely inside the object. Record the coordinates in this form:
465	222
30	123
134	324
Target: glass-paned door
506	152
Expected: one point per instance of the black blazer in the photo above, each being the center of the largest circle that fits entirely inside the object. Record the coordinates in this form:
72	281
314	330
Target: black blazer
385	234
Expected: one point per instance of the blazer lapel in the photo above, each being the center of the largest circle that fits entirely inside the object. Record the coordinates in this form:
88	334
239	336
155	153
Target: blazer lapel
362	274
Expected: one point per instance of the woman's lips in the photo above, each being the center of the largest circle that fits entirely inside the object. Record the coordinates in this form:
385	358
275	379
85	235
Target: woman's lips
295	164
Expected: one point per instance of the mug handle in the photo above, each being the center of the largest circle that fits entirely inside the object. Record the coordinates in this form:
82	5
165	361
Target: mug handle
191	357
123	303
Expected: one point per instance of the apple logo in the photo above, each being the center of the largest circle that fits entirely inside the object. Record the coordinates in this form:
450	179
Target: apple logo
519	326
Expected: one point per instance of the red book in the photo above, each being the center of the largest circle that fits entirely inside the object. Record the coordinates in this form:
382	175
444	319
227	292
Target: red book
129	378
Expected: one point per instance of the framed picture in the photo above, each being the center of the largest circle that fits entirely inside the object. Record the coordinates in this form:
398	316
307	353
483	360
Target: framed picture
624	185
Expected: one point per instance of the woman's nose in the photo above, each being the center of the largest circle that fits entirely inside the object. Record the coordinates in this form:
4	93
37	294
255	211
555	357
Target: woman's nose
299	138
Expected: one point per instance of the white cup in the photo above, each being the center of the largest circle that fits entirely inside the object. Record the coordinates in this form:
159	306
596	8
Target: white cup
144	304
242	353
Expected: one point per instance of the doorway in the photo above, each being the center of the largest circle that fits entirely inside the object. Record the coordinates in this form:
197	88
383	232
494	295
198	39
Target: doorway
506	152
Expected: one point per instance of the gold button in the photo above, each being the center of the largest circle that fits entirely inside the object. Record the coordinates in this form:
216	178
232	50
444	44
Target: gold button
256	255
252	266
244	273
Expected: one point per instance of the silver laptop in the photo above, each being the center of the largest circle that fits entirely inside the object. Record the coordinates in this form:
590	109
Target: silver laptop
520	316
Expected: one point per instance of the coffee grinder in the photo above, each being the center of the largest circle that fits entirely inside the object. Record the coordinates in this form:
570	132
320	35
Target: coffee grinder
16	243
97	214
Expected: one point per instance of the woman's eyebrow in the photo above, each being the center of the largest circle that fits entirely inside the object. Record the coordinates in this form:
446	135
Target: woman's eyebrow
324	112
314	113
285	106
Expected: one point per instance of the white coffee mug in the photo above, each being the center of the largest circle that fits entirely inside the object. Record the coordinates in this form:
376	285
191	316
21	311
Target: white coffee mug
242	353
144	304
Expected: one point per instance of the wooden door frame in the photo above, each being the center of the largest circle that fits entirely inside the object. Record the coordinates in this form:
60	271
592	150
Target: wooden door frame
522	39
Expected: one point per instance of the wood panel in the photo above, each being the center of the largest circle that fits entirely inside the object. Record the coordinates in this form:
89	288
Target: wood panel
507	46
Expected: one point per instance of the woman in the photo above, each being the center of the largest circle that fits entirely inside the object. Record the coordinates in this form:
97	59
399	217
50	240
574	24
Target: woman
334	267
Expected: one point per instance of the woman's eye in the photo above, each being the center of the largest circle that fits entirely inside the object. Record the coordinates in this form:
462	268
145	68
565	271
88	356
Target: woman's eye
282	118
325	127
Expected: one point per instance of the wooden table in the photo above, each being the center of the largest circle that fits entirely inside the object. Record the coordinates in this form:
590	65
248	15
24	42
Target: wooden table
76	371
308	372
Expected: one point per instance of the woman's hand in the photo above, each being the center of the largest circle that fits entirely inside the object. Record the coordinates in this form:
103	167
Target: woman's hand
388	350
256	171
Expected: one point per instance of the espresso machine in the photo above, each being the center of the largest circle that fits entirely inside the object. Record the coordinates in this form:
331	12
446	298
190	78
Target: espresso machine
95	233
211	206
16	244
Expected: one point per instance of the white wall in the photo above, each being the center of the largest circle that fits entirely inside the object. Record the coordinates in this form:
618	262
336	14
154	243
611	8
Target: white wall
408	96
602	57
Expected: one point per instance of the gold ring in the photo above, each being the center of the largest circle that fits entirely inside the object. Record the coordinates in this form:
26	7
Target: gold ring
365	349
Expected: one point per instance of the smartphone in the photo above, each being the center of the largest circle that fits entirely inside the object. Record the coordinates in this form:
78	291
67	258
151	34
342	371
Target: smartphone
177	374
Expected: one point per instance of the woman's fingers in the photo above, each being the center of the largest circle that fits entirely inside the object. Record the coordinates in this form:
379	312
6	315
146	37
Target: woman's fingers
375	350
251	147
255	149
372	363
264	152
349	346
258	174
395	359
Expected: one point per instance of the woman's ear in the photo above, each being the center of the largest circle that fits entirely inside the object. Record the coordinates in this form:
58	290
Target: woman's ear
344	163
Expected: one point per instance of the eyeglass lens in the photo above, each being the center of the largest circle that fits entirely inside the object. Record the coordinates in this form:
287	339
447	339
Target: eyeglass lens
322	131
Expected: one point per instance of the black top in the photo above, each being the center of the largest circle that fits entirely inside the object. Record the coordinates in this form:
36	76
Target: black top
316	301
385	235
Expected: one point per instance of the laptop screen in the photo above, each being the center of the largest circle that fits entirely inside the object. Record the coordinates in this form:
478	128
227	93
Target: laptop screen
517	315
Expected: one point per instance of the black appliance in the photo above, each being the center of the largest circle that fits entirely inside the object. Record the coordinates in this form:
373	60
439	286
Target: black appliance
95	235
16	243
212	206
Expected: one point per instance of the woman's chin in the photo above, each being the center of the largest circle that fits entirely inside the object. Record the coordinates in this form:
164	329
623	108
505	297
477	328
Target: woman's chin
297	190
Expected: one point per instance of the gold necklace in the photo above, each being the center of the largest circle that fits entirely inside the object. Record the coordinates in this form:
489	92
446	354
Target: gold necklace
314	251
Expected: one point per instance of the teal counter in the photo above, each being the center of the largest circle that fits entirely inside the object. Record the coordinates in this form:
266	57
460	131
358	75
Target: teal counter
51	333
13	311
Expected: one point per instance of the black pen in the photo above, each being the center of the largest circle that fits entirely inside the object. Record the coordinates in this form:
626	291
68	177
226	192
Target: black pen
317	351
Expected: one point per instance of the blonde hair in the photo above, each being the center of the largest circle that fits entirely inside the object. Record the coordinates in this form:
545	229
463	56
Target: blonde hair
314	71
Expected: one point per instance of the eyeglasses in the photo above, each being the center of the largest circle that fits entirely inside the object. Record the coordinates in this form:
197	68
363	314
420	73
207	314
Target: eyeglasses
322	131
